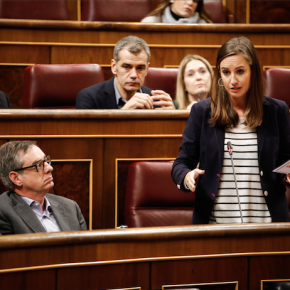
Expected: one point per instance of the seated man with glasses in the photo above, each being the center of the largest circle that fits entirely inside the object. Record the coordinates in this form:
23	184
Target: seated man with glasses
28	207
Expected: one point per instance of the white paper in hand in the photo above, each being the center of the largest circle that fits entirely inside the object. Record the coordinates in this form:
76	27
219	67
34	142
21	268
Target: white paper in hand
285	168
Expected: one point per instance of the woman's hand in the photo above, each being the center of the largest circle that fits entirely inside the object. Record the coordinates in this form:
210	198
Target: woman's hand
190	178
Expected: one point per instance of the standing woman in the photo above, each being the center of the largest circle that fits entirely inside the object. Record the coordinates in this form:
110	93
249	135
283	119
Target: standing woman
178	11
193	81
258	128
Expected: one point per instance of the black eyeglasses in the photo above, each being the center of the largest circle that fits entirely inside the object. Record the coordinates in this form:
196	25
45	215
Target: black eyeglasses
39	166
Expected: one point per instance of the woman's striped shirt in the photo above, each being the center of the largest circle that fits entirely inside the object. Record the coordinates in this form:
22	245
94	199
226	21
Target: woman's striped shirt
245	158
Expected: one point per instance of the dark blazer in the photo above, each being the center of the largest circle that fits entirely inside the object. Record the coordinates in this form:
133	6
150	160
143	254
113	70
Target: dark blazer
205	143
16	216
4	101
101	96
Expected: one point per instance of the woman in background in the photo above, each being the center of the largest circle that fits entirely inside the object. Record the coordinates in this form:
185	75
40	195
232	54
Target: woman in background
193	81
178	11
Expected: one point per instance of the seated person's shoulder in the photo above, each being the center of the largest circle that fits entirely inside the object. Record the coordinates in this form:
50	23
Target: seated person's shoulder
92	89
4	196
4	101
150	19
60	199
5	201
146	90
86	98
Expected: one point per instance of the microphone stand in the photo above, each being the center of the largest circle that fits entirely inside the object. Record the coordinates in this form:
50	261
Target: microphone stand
230	149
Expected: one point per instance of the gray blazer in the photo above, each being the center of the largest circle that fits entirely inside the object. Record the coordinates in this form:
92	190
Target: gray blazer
16	216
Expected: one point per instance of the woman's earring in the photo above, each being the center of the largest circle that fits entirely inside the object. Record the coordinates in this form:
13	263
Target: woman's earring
171	1
219	83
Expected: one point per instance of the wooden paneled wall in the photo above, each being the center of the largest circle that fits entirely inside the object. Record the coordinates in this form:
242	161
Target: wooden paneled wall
223	257
87	147
242	11
24	43
262	11
257	11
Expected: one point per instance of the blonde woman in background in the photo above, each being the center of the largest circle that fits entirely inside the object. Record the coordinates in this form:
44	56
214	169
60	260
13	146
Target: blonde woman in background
193	81
178	11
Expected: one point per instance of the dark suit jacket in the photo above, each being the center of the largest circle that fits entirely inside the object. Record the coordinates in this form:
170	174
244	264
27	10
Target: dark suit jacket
205	143
100	96
4	101
16	216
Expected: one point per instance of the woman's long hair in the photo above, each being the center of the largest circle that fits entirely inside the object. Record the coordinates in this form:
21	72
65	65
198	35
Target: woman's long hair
159	11
182	99
222	110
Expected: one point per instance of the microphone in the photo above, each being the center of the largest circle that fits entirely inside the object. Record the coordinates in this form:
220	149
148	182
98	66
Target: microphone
230	149
49	209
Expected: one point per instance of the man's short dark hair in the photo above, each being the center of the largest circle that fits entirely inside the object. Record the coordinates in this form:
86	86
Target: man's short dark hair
134	45
10	159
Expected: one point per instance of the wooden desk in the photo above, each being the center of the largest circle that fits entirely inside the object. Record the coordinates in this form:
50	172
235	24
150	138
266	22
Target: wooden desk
27	42
91	149
244	256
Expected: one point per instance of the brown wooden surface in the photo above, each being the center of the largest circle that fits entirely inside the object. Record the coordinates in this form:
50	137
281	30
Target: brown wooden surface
240	11
262	11
200	271
72	180
24	42
104	277
73	9
12	84
102	136
148	257
270	268
32	280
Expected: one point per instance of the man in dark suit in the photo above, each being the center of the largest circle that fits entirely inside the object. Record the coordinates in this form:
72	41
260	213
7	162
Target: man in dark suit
125	90
27	207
